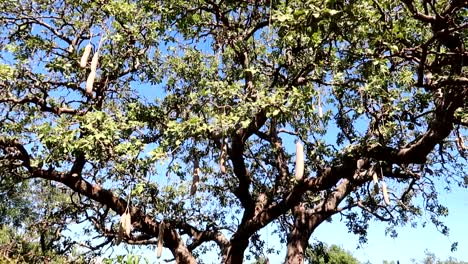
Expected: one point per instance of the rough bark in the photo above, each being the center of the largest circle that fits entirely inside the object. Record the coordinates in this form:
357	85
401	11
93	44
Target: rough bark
235	252
181	253
298	239
307	220
297	245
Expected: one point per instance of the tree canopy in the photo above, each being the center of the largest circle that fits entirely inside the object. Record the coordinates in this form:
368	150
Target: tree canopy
320	253
432	259
193	125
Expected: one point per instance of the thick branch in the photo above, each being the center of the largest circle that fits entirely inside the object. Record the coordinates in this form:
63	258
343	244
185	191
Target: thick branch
416	14
439	128
106	197
144	222
237	157
200	237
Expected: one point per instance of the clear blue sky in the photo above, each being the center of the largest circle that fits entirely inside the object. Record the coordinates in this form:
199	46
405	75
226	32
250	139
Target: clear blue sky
411	242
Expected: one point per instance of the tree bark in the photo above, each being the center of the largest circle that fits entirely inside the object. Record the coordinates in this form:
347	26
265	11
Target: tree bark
307	220
297	244
234	254
298	239
182	254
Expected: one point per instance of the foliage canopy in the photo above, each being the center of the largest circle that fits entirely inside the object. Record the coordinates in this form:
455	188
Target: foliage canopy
320	253
210	95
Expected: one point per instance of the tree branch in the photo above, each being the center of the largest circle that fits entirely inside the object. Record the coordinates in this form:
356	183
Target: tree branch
75	182
200	237
42	104
144	222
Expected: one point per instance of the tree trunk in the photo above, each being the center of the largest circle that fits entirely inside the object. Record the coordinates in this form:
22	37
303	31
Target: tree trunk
183	256
297	244
234	254
180	251
298	239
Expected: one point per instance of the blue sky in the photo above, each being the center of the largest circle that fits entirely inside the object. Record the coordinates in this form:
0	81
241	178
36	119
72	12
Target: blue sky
411	242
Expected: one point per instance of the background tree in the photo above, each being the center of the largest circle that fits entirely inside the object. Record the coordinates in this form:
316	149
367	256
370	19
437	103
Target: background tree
374	92
30	230
431	258
320	253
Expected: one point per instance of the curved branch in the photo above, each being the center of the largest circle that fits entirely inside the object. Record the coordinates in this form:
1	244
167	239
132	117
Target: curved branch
144	222
440	127
105	197
42	104
200	237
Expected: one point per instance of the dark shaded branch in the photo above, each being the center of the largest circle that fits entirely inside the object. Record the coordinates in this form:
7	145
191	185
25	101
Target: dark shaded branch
9	146
200	237
325	180
74	181
422	17
439	128
236	155
372	212
42	104
141	221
